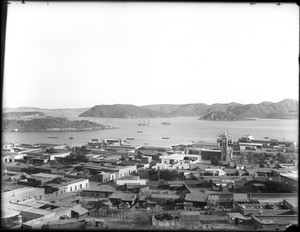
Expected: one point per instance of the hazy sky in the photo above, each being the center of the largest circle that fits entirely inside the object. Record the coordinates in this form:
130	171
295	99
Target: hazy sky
85	54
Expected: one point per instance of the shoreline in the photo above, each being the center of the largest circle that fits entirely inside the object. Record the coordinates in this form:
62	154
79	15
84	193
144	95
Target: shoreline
59	130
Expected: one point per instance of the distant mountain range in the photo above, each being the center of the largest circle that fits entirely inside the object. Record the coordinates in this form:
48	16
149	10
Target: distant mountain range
121	111
285	109
23	114
65	112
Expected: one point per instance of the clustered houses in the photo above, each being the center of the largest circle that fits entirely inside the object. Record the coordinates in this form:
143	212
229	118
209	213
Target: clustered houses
248	143
177	161
216	185
104	173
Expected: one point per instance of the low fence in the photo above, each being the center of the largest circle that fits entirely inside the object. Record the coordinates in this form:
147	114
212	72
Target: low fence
99	213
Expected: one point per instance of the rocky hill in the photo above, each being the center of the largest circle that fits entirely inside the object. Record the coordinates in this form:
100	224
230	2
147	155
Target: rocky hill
221	116
285	109
49	124
121	111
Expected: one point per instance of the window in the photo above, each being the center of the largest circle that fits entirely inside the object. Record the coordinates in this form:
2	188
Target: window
75	187
80	185
71	189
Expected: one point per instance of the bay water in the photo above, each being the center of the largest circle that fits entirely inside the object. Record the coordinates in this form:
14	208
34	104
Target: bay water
182	130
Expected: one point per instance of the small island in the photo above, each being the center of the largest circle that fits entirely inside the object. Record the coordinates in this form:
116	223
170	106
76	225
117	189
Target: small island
222	116
50	124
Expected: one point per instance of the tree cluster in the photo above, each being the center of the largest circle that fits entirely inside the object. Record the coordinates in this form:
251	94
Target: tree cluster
74	158
285	158
276	187
57	180
154	175
215	161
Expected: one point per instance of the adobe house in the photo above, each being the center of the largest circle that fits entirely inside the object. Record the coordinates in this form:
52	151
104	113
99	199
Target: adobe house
102	191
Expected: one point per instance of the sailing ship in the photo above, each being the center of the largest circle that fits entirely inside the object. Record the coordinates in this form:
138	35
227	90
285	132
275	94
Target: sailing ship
144	123
166	123
71	137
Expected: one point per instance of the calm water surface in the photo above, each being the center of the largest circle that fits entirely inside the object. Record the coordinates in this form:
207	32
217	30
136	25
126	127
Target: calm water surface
182	130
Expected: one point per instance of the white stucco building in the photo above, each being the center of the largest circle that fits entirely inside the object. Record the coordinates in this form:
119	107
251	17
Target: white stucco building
177	161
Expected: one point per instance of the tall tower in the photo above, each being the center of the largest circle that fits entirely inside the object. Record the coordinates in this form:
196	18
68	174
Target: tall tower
224	146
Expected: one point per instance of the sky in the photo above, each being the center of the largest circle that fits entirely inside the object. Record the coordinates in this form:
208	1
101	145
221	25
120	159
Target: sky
73	55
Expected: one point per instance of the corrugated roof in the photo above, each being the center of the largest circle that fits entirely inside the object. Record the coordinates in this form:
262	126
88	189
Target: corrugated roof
80	210
38	211
292	201
189	213
278	219
128	197
236	215
240	197
7	213
150	153
13	206
117	195
165	196
101	188
213	197
28	216
196	197
45	175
